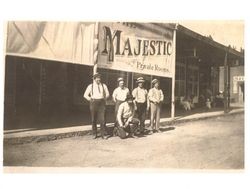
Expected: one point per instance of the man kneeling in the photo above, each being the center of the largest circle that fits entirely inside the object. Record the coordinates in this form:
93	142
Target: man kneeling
127	124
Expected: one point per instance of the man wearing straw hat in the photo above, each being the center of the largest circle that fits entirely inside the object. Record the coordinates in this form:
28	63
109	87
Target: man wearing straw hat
155	96
97	93
140	95
120	94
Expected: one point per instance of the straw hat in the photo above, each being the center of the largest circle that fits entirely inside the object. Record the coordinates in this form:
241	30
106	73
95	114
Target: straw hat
154	81
140	80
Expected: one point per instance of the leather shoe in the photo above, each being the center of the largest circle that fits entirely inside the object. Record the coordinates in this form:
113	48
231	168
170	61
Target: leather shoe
150	132
94	136
105	137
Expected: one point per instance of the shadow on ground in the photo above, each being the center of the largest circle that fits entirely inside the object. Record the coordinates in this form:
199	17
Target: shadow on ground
79	118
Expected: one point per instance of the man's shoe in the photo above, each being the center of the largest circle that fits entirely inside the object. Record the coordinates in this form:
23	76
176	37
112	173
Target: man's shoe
94	136
130	135
133	136
158	131
150	132
105	137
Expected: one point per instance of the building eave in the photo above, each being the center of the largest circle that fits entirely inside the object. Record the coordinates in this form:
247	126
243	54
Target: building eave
209	41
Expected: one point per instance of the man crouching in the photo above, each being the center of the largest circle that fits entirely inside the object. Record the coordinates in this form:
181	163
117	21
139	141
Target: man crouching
125	118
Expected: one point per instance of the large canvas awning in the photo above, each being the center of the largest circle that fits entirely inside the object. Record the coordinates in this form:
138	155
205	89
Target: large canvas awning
70	42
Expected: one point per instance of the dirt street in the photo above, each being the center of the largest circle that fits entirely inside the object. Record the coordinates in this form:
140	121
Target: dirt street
216	143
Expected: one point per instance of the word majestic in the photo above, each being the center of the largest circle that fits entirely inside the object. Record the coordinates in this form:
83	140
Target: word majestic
112	46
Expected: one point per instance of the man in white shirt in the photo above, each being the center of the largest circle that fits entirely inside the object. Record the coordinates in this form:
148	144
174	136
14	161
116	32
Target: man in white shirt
120	94
97	93
125	118
155	96
142	105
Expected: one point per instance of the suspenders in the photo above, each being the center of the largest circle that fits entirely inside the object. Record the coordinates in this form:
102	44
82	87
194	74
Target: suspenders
144	92
104	92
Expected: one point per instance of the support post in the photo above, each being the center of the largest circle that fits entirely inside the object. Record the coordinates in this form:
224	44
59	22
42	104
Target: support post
41	87
173	75
95	47
226	84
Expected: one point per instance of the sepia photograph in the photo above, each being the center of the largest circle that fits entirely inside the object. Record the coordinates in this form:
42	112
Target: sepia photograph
160	95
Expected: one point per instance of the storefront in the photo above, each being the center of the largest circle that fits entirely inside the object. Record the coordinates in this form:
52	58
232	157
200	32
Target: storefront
48	66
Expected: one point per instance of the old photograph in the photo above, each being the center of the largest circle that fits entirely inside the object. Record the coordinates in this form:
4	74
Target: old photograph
157	95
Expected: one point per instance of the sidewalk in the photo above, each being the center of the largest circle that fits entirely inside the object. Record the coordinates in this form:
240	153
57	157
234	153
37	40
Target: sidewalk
21	136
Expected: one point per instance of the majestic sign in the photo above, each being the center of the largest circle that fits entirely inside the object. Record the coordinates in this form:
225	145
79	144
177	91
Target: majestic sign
132	49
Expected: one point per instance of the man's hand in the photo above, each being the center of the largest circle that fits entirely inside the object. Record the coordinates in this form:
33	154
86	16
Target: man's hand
129	119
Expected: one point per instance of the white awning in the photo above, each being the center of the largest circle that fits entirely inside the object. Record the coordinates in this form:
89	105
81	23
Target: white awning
71	42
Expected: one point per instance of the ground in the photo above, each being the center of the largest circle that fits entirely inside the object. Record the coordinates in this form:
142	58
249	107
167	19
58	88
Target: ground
216	143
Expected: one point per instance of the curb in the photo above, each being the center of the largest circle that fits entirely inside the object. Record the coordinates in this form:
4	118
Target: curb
199	118
51	137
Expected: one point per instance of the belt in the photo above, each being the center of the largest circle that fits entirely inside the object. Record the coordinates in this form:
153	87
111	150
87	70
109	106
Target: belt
141	102
102	99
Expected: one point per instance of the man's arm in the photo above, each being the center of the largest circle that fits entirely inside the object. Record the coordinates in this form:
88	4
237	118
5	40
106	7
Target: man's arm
147	99
127	91
162	96
106	91
119	115
127	122
87	93
134	95
114	95
150	95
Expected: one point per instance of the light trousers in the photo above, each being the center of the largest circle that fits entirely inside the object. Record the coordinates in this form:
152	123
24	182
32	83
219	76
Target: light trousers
155	110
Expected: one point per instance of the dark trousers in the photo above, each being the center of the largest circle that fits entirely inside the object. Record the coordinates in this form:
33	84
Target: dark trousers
141	114
97	110
131	128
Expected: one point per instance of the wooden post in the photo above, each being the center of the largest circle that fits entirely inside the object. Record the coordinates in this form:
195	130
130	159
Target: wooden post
186	77
41	87
173	75
127	79
95	47
198	82
226	108
132	84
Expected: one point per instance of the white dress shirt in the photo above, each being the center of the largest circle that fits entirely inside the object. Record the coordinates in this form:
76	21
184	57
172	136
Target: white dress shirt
155	95
125	111
140	95
96	91
120	93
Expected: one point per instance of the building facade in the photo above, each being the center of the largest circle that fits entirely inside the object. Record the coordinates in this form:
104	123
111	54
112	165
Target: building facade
49	65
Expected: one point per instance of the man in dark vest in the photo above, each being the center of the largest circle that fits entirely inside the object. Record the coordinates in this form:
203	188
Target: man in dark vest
141	101
97	93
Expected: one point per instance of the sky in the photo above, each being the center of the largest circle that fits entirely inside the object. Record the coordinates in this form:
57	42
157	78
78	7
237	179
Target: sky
224	32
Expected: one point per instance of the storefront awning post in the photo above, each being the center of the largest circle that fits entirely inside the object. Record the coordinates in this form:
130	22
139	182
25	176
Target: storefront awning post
173	75
226	84
95	48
